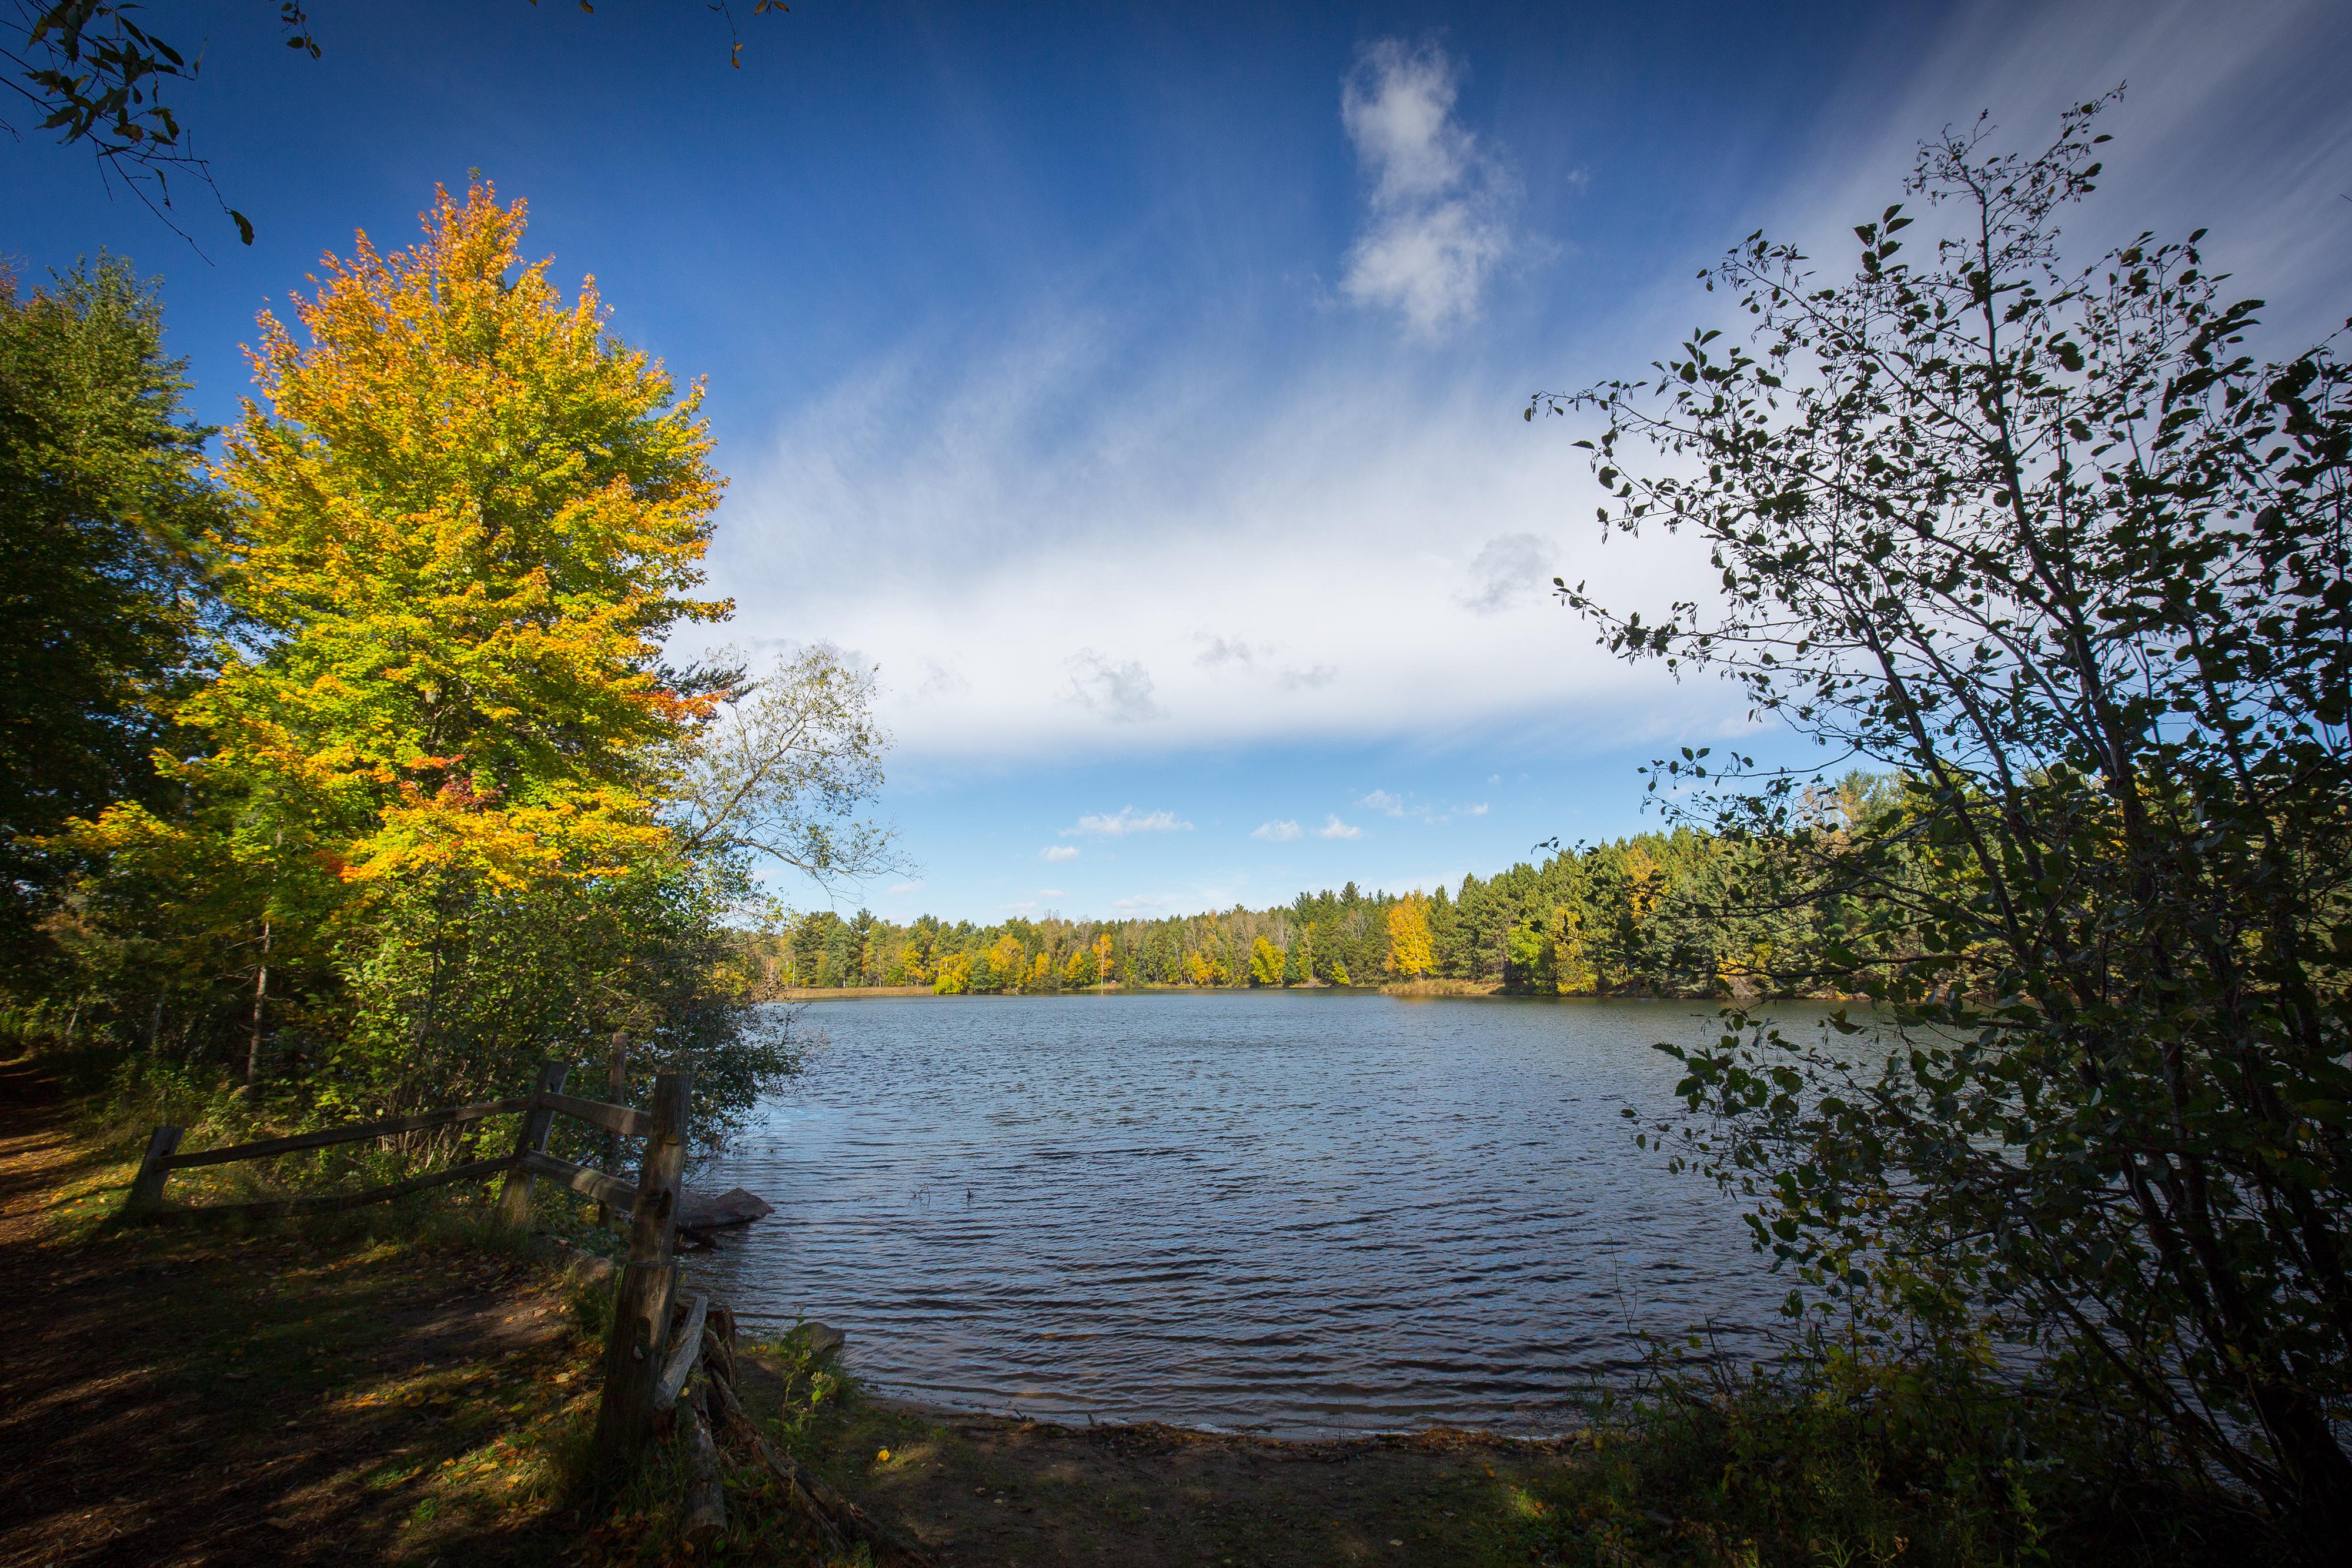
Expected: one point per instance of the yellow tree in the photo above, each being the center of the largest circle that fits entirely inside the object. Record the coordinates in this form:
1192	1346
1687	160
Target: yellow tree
1265	963
464	518
469	517
1411	952
1102	958
1008	962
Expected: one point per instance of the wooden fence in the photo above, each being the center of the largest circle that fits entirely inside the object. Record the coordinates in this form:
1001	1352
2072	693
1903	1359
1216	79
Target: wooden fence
645	1363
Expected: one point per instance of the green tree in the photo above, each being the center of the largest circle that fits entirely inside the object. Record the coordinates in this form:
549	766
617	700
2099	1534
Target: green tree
104	603
2047	542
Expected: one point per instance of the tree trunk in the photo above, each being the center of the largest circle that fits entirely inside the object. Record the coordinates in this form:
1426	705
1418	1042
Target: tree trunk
260	996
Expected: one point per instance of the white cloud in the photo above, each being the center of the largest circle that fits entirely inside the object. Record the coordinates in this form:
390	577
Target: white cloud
939	681
1311	679
1335	829
1508	568
914	886
1275	832
1060	852
1395	805
1051	893
1440	210
1219	651
1125	820
1020	907
1137	905
1121	692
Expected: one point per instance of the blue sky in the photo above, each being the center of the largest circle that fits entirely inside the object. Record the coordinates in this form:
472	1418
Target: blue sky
1138	389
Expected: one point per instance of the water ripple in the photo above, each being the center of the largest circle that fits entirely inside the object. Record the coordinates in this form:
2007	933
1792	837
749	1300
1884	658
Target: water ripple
1287	1212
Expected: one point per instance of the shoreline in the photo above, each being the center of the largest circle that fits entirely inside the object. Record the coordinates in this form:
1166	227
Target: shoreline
1481	989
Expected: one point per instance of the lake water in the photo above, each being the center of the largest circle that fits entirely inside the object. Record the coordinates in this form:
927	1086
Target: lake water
1295	1212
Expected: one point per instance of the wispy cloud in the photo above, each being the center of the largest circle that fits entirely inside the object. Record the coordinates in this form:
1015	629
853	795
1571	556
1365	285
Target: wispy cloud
1335	829
1217	650
1440	212
1124	821
1059	851
1389	803
1275	832
900	887
1507	569
1119	690
1137	906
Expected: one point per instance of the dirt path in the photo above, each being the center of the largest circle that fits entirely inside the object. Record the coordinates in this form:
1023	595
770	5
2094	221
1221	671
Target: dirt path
179	1396
172	1396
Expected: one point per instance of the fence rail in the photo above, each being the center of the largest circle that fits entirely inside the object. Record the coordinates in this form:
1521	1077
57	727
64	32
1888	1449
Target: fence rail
639	1357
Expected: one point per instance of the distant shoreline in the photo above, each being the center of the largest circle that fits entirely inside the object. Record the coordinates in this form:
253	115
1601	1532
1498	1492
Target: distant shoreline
1402	989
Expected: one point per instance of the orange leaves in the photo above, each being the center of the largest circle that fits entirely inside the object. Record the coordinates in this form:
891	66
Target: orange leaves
469	516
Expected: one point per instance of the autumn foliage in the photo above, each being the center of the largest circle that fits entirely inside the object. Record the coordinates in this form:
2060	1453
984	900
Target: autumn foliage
468	516
422	804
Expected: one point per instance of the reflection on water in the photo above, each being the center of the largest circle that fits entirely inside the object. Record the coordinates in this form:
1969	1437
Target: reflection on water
1290	1212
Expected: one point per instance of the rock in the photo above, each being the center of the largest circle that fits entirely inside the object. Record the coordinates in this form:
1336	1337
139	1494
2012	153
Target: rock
696	1212
823	1339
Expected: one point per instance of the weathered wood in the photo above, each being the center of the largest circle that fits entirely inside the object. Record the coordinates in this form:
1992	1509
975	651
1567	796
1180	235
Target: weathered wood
718	1349
154	1170
624	1119
684	1350
632	1350
581	1180
514	1198
838	1519
704	1519
616	1085
391	1126
278	1209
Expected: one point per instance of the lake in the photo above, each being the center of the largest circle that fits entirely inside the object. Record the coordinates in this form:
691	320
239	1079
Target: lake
1293	1212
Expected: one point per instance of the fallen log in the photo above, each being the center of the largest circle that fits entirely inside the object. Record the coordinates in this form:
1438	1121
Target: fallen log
839	1520
704	1519
687	1344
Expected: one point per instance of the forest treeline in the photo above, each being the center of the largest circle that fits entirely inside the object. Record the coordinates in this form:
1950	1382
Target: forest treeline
1650	914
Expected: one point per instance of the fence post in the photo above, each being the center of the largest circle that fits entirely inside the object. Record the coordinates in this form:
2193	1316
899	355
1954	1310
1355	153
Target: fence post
514	1198
147	1187
633	1349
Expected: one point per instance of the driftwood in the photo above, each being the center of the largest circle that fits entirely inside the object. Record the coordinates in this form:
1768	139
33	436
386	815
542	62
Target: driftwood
837	1519
686	1349
704	1519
